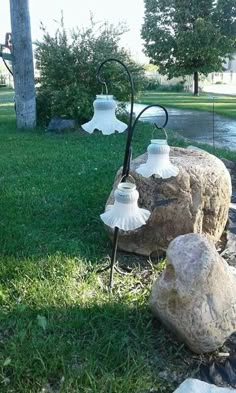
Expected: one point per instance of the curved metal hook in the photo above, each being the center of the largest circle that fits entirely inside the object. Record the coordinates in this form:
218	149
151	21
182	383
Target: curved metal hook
151	106
128	149
116	61
131	125
4	61
130	128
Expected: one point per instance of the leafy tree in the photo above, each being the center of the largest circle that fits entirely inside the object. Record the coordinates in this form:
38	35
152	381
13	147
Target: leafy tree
225	17
67	65
184	37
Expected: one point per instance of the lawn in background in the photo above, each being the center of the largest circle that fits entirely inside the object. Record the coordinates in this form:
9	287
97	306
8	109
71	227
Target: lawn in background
60	330
223	104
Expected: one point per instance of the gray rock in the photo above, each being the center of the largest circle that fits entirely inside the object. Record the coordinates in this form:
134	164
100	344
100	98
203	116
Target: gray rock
60	124
195	295
192	385
228	163
230	247
197	201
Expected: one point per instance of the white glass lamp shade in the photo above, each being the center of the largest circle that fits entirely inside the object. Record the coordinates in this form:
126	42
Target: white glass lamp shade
158	162
125	213
104	118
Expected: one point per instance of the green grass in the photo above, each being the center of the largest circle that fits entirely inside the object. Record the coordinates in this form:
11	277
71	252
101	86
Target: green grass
60	329
223	104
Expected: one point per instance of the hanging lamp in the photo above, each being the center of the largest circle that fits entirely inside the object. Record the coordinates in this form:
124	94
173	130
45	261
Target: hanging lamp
104	118
125	213
158	161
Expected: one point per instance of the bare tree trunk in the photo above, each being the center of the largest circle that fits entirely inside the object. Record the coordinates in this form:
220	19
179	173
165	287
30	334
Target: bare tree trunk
23	67
196	84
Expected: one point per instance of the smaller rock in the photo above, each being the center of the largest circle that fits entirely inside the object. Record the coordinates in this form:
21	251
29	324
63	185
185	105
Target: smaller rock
192	385
195	295
230	247
229	164
59	124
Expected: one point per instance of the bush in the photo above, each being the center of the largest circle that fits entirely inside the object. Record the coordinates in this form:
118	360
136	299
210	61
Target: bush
178	87
152	84
68	63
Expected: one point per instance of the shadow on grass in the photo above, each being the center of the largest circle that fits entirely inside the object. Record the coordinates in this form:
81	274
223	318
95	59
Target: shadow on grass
89	348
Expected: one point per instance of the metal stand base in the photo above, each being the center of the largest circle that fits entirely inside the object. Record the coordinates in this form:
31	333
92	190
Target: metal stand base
113	257
128	149
114	264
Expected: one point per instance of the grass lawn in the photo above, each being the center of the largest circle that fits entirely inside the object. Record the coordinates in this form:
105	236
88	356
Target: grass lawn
60	330
223	104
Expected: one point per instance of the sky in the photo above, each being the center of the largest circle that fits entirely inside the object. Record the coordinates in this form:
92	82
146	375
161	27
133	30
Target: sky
77	13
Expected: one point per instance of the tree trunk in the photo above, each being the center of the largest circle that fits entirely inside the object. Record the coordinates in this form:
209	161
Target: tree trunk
196	86
23	67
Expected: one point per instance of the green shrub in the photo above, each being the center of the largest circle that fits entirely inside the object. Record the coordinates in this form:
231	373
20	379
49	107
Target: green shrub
152	84
178	87
67	65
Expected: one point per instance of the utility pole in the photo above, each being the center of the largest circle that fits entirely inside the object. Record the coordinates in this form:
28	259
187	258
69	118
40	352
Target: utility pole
22	63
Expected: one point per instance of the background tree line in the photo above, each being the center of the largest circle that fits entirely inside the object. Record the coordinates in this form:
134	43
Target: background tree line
185	37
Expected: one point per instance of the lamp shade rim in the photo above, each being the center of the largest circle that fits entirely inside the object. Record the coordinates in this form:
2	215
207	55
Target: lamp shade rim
126	186
159	141
125	222
105	96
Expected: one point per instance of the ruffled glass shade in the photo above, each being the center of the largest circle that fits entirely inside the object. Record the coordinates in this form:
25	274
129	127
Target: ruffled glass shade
104	118
158	162
125	213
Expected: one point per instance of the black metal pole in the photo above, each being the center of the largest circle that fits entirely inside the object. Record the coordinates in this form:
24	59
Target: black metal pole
125	170
151	106
113	256
131	124
127	155
213	134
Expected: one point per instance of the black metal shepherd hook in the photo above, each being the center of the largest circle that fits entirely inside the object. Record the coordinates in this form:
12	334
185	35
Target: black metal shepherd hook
128	149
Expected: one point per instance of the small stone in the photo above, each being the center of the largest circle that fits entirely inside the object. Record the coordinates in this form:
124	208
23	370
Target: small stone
192	385
59	124
194	297
228	163
230	247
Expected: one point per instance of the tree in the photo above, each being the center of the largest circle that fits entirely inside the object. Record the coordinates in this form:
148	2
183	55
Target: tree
23	68
185	37
67	65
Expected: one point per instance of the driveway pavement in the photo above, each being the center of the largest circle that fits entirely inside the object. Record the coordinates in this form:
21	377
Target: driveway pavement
195	125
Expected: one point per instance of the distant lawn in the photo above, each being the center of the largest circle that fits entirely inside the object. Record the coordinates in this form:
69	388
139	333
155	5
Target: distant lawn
223	104
60	330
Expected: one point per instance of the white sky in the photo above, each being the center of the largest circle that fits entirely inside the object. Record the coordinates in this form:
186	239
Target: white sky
77	13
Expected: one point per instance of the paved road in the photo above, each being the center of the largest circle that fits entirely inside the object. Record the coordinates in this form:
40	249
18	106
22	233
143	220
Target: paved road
220	89
195	125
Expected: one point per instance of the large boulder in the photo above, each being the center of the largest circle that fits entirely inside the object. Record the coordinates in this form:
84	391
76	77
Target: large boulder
197	201
195	295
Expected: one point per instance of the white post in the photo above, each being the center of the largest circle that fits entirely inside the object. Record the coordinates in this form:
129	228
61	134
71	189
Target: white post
23	67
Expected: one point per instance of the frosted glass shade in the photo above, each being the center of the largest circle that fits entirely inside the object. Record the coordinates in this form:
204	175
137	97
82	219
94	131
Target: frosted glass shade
158	162
104	118
125	213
